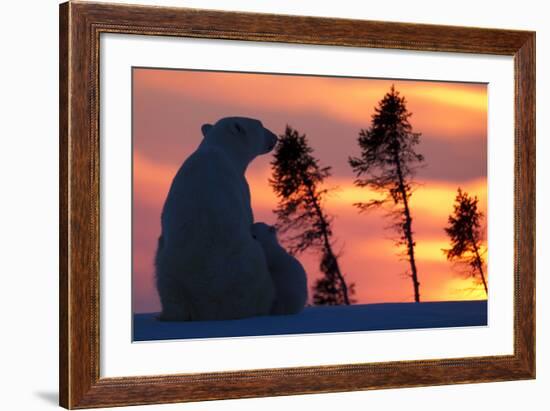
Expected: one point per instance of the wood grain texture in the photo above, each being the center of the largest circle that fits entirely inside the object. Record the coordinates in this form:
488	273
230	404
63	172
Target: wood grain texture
63	205
80	27
525	207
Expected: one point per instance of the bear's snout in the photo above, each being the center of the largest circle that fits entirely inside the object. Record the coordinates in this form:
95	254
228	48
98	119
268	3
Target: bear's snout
271	140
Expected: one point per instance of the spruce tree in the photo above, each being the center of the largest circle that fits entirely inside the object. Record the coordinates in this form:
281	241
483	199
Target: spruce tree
387	164
297	180
464	231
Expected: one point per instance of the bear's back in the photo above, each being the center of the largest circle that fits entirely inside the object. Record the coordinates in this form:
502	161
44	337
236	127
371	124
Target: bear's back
207	195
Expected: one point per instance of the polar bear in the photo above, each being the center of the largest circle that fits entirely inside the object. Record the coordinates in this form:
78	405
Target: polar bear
288	274
208	266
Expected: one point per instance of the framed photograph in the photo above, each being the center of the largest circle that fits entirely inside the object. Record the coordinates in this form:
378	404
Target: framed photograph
259	205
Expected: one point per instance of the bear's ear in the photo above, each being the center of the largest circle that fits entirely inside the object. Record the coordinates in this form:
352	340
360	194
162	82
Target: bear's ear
205	129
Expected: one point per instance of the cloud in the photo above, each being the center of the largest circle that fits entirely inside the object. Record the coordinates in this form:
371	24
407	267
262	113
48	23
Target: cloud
349	100
432	198
167	128
151	180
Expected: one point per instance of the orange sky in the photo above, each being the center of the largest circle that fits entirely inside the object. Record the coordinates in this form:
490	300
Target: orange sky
169	106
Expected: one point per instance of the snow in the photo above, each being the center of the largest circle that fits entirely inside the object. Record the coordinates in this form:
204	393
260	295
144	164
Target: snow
319	319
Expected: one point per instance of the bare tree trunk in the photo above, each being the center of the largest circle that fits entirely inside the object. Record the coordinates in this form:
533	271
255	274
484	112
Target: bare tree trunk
327	245
407	228
328	249
479	264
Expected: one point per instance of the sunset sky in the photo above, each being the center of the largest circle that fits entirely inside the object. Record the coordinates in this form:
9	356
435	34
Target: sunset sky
169	107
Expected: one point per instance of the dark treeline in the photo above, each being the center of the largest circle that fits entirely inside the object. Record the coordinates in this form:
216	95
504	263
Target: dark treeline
386	164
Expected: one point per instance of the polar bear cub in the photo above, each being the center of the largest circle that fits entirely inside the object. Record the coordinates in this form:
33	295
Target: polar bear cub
208	266
288	274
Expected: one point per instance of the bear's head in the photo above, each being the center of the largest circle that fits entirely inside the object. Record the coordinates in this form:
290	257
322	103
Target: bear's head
266	235
245	137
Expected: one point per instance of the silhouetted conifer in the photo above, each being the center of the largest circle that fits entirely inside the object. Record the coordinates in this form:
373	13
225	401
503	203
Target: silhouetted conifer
297	180
464	231
386	165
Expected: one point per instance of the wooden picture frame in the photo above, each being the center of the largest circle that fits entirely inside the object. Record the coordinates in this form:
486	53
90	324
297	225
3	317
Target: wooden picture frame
80	27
